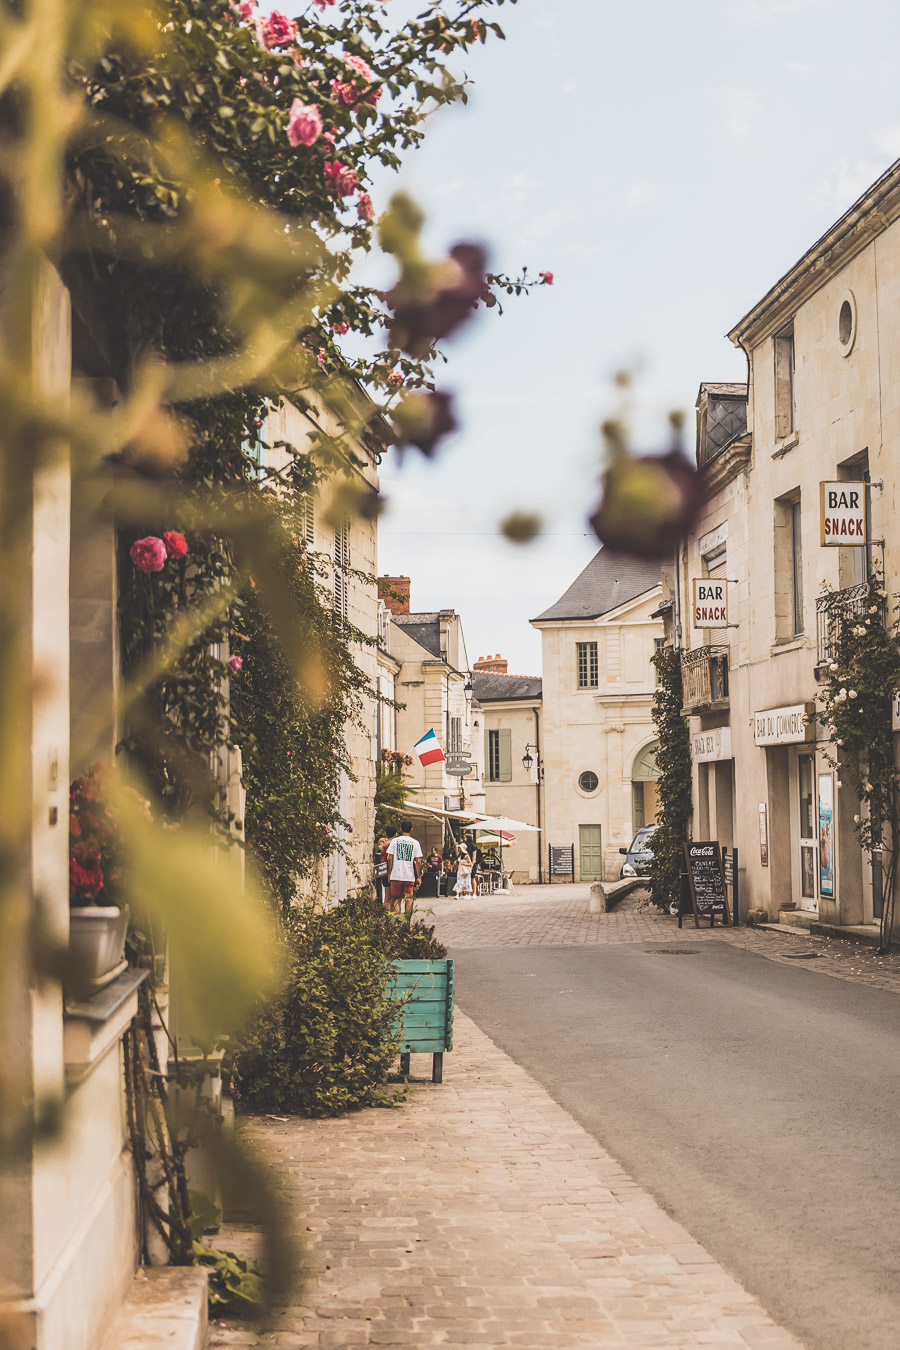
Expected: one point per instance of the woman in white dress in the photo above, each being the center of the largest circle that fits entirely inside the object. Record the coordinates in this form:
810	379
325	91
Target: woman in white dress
463	872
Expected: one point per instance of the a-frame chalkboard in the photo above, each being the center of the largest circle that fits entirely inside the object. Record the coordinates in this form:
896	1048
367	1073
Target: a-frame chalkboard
706	877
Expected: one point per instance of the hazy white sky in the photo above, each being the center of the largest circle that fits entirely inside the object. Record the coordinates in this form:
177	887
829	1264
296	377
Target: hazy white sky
668	162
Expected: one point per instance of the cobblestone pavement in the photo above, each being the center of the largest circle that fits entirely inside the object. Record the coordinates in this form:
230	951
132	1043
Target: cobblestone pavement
559	916
481	1214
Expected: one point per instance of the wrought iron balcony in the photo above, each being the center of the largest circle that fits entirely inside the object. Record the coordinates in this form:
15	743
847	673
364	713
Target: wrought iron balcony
704	679
832	610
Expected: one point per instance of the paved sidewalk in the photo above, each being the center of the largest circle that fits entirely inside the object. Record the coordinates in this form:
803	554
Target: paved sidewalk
480	1213
559	916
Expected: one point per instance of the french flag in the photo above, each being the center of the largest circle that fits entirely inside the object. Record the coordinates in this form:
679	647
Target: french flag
428	749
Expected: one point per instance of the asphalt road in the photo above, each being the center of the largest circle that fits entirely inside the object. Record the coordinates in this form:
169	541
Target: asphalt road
758	1102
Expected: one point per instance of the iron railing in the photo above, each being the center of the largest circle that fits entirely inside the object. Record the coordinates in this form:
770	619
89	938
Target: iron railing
704	678
832	609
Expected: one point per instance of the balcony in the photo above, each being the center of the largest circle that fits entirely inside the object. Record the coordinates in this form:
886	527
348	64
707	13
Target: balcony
704	679
833	609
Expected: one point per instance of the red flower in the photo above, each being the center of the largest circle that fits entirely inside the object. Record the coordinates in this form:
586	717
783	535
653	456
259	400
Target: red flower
547	278
340	178
149	555
176	544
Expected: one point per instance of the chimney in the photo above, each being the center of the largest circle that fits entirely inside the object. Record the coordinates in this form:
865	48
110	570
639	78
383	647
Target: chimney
394	591
491	665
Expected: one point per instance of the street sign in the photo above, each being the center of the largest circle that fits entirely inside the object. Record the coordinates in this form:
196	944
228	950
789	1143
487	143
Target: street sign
710	602
459	768
562	861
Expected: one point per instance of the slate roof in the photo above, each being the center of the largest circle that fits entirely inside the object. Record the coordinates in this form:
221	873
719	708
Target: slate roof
609	580
424	628
490	687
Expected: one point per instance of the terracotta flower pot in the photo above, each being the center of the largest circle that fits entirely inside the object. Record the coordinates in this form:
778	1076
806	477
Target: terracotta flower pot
97	939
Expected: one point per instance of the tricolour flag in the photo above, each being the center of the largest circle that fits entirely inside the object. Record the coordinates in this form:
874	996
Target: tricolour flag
428	749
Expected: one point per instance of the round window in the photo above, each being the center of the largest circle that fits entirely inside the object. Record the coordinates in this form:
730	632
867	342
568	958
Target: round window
847	323
589	782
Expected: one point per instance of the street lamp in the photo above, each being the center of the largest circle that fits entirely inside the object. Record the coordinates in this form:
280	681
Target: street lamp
528	759
469	688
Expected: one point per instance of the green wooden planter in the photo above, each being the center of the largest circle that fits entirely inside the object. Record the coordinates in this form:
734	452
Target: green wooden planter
426	1019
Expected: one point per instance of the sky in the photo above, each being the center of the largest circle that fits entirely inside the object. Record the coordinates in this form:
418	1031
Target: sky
668	163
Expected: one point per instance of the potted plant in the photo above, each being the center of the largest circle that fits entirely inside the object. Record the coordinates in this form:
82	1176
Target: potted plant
98	920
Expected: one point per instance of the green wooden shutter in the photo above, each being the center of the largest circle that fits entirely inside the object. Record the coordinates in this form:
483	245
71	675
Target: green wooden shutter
505	736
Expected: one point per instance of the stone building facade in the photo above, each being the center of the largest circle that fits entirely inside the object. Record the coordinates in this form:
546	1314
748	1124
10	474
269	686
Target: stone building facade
598	737
512	723
822	405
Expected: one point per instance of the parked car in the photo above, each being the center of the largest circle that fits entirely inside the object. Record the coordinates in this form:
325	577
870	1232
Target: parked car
639	854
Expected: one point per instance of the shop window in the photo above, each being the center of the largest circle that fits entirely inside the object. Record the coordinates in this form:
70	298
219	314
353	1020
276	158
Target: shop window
588	667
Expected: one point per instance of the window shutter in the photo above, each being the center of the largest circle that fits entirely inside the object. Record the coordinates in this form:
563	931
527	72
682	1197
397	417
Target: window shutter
505	739
309	518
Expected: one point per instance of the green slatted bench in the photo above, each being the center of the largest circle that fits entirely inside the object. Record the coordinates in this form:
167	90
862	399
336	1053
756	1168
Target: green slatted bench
426	1019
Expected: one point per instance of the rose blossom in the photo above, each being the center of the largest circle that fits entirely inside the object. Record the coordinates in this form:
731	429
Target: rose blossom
340	328
234	664
149	555
246	8
276	30
364	208
338	176
176	544
547	278
344	92
321	4
304	123
359	65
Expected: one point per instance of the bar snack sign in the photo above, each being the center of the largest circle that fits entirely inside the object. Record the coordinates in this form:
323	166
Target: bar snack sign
710	603
843	515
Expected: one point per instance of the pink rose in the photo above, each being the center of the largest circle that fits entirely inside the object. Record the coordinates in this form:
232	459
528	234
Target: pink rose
338	176
364	208
149	555
340	328
395	378
245	8
275	30
321	4
234	664
358	64
547	278
345	92
304	123
176	544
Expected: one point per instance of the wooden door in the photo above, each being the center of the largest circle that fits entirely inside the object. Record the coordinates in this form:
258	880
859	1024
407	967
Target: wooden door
590	852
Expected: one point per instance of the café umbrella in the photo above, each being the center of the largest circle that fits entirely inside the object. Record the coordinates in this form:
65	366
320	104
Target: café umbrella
501	825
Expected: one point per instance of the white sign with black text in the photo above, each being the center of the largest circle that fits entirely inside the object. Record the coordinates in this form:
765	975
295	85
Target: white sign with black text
710	602
707	746
784	726
843	515
895	710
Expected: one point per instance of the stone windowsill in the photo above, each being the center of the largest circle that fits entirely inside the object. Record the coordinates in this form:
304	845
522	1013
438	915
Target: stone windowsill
93	1025
791	645
785	444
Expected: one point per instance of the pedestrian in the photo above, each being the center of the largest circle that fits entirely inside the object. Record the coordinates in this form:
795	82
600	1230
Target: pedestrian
463	872
477	857
381	867
404	860
431	876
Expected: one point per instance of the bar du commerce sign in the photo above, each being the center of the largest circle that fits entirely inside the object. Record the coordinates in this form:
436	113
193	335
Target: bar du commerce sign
784	726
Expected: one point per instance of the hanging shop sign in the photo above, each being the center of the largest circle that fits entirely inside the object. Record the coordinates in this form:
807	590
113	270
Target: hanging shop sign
707	746
895	710
710	602
763	835
843	515
785	726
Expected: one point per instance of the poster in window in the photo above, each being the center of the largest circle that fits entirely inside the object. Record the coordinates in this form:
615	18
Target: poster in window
826	835
763	835
808	872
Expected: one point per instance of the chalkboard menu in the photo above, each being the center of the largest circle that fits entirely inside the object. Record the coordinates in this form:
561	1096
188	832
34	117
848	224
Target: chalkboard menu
707	878
562	861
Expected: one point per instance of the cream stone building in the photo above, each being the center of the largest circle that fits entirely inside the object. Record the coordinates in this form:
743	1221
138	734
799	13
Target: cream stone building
599	739
511	715
434	688
347	545
822	405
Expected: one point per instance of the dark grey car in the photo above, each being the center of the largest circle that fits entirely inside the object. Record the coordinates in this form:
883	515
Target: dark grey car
639	854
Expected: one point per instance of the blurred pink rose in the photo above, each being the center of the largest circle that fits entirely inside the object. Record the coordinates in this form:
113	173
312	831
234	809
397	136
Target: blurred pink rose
304	123
340	328
338	176
176	544
234	664
359	65
149	555
364	208
547	278
275	30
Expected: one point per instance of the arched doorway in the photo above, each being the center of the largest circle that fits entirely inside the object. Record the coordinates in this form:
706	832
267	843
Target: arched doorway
644	796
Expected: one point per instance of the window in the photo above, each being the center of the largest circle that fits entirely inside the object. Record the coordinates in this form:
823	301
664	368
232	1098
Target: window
785	394
499	756
587	665
309	519
659	645
589	782
796	570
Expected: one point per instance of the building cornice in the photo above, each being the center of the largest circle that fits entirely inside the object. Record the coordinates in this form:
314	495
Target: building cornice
868	217
732	459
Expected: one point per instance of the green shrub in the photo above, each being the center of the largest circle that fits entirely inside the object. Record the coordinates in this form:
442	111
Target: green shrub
399	938
327	1042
